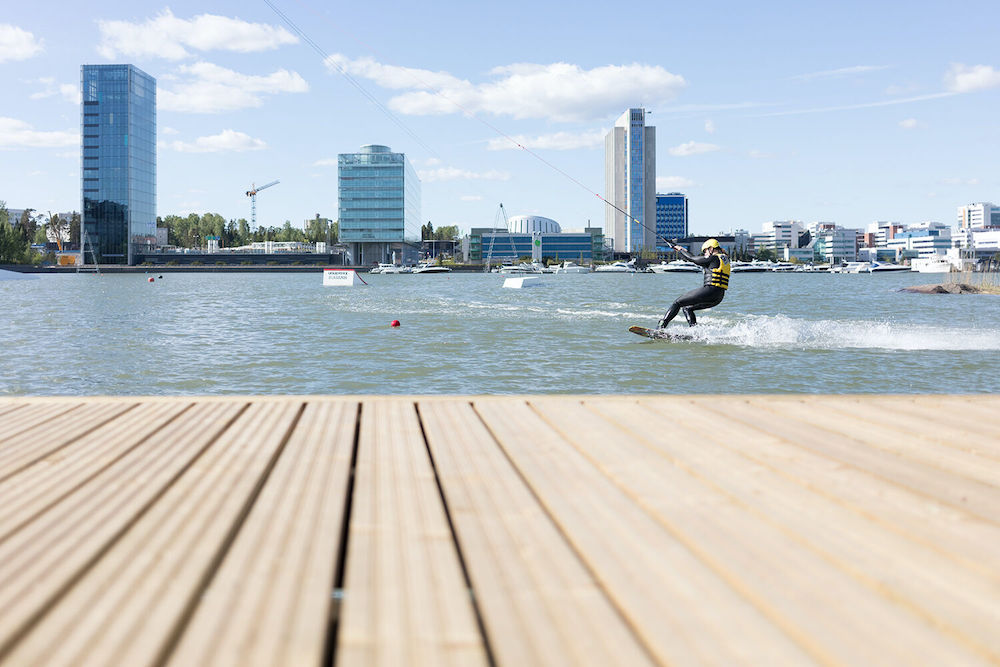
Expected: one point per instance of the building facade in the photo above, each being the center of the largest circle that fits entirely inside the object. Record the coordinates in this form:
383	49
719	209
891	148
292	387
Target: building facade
983	215
630	183
925	239
485	244
671	218
779	234
379	206
118	165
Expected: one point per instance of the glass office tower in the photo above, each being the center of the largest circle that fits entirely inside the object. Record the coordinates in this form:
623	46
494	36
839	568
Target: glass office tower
630	183
671	218
379	206
118	131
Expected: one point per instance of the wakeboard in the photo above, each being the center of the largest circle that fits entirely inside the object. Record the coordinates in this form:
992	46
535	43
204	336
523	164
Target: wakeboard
660	334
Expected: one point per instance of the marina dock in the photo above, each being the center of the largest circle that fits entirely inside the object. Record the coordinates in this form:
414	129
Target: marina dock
503	530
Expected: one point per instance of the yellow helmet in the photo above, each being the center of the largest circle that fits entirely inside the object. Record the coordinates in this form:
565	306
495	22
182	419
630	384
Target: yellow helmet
711	243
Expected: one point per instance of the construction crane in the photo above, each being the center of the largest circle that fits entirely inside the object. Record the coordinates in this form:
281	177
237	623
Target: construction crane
252	193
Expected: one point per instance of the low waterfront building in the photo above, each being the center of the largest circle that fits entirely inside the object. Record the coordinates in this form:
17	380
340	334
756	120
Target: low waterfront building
778	234
981	215
497	246
833	244
925	239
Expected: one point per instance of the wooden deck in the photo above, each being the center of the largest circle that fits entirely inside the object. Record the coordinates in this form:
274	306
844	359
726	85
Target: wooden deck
527	530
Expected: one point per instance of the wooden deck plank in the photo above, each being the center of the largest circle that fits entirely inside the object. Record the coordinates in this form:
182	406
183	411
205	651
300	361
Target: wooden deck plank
405	597
967	423
269	603
25	416
128	605
27	493
972	496
951	598
874	424
539	604
681	608
42	559
51	435
772	569
953	532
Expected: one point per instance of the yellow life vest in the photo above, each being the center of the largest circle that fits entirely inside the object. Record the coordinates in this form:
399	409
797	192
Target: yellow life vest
719	276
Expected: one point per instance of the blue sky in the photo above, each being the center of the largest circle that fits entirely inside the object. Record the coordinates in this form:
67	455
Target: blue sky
848	112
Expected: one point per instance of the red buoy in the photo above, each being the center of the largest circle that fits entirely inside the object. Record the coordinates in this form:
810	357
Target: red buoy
150	280
394	323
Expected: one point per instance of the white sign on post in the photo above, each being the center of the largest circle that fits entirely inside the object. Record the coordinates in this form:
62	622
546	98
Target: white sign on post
341	278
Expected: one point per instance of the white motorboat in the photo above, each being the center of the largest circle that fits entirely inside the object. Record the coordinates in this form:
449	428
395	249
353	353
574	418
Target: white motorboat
427	267
617	267
570	267
382	268
934	264
755	266
676	266
522	268
879	267
782	267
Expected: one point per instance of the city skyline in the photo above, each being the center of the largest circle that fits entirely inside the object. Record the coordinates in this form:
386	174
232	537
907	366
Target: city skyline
850	114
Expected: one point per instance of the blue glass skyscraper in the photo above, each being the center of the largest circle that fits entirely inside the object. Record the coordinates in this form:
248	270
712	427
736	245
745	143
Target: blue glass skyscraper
379	205
118	178
671	218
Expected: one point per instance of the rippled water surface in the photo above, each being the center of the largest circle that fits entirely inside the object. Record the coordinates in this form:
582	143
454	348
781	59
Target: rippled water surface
280	333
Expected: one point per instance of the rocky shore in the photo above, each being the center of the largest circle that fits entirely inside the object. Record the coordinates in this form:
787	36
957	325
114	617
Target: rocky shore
944	288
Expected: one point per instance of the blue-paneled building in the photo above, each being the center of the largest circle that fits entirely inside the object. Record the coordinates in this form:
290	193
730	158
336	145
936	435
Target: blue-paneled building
499	247
379	206
671	218
118	165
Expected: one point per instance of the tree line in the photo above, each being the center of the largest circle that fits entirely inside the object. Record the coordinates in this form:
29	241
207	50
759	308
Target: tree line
192	230
17	236
446	233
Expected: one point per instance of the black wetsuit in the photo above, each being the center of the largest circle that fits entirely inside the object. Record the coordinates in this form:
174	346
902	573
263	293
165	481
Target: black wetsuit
708	295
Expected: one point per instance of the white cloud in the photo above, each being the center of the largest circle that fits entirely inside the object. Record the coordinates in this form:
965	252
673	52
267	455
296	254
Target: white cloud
960	181
227	141
455	174
965	79
840	72
70	92
16	133
673	182
692	148
910	124
17	44
710	126
432	162
558	91
167	36
761	155
208	88
559	141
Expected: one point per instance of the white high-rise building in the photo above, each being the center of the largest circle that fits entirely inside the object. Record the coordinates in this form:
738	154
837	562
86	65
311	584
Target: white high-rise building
978	216
630	183
778	234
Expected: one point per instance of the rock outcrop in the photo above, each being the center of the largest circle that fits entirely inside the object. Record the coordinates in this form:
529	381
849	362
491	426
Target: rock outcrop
943	288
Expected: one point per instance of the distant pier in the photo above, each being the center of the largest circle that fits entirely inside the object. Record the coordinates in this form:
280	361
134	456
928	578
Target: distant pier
512	530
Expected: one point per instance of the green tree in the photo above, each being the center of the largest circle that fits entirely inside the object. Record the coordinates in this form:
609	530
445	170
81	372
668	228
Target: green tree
13	246
74	229
26	225
766	255
446	233
427	232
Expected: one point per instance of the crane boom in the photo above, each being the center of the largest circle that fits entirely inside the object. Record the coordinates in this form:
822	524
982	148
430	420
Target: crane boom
252	193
